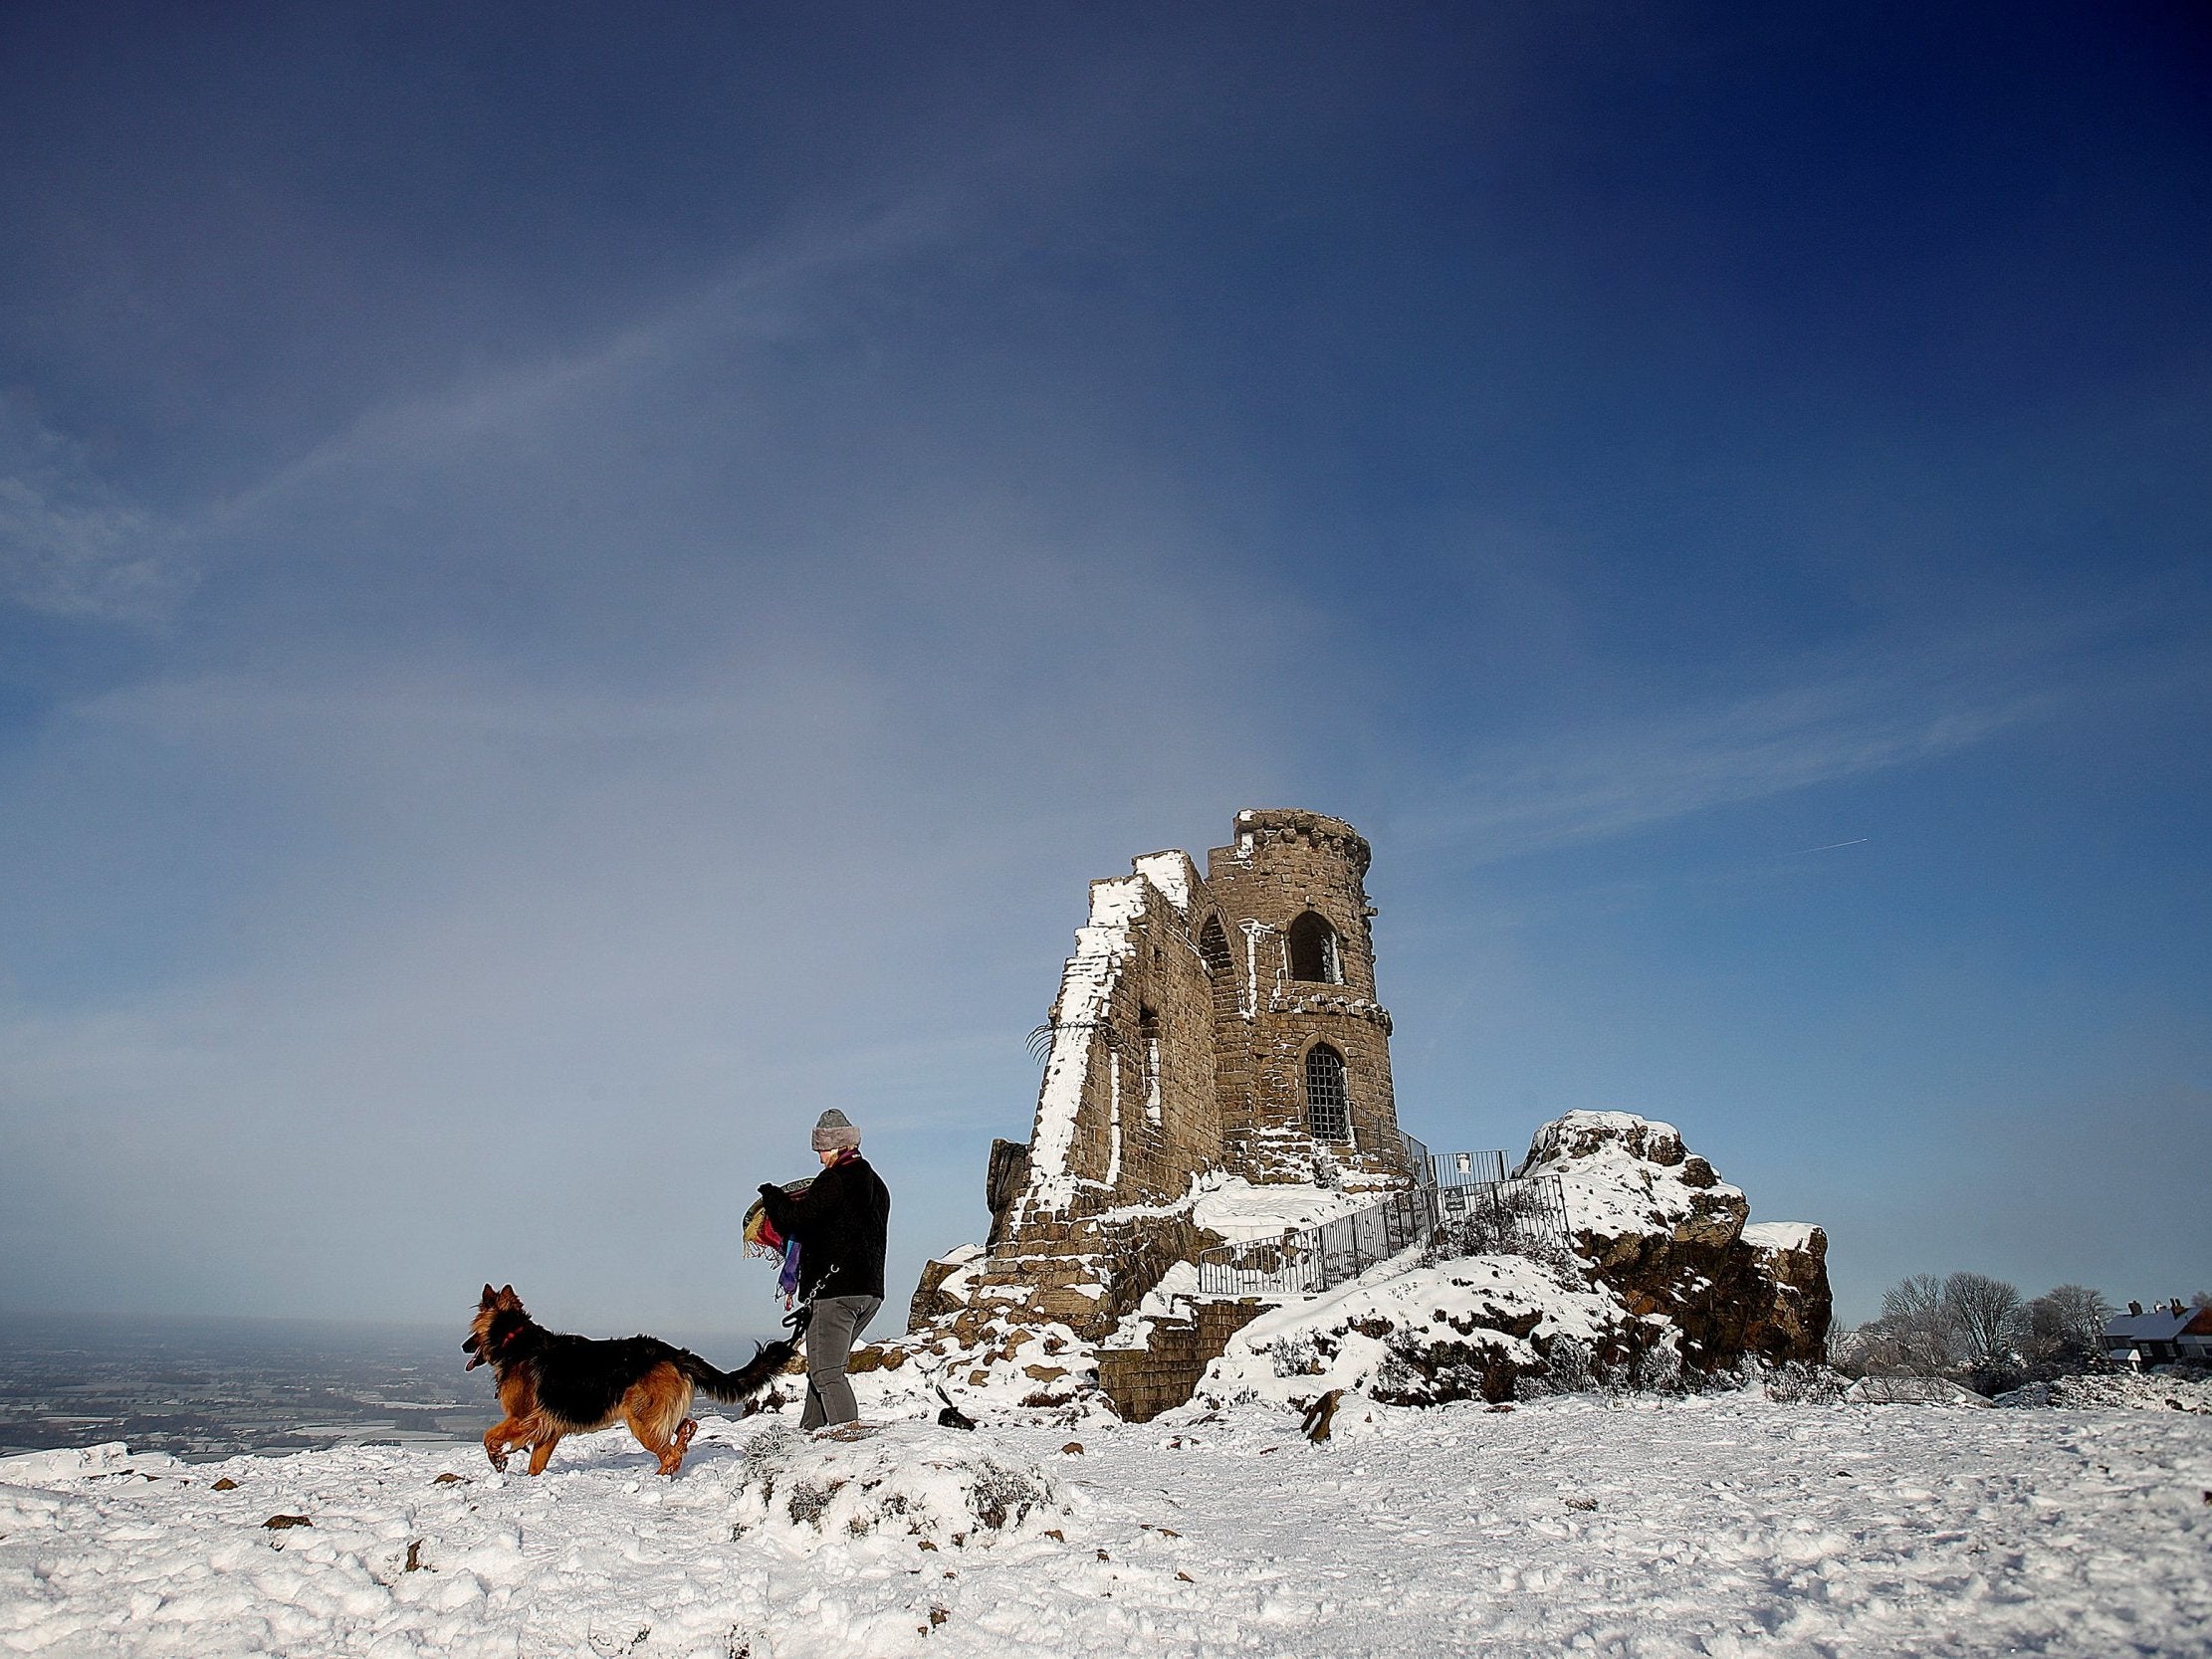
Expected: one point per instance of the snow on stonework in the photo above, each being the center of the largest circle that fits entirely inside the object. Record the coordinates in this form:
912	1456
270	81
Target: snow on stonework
986	1348
1086	990
1172	872
1239	1210
986	1361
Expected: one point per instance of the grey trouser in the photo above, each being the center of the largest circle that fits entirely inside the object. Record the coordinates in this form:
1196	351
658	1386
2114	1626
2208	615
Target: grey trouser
836	1321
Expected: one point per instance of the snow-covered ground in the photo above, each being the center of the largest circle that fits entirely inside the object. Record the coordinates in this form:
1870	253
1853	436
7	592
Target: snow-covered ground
2162	1390
1637	1526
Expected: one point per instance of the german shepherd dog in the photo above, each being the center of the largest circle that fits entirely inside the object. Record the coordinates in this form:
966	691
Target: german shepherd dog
553	1384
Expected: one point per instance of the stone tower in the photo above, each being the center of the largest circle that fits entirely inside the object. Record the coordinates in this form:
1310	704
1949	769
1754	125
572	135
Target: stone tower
1302	1045
1208	1028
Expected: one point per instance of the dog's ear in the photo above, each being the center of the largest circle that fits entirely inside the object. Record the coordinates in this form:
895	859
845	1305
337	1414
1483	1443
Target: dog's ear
491	1298
507	1298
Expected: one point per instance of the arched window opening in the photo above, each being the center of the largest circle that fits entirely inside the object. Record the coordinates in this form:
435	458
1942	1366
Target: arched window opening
1313	951
1328	1107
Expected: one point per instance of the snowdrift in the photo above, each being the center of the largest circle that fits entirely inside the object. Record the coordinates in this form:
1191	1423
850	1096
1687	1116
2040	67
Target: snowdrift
1666	1528
913	1481
2126	1392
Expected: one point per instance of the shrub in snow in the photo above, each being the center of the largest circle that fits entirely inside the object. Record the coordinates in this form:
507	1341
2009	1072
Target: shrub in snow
1910	1391
902	1478
1568	1369
1657	1370
1794	1384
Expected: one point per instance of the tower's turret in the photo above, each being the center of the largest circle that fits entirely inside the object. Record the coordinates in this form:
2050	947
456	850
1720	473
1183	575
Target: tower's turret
1302	1045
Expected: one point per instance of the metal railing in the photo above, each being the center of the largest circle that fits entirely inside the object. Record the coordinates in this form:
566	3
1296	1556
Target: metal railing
1461	1202
1465	1169
1501	1217
1314	1258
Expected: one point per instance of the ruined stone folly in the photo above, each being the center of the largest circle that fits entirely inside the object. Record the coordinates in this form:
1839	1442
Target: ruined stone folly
1221	1024
1218	1084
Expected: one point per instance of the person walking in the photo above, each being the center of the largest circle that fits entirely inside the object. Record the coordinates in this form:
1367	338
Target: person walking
839	1224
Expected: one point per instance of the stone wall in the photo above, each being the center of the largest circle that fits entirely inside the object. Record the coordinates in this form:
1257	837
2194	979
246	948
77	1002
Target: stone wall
1145	1381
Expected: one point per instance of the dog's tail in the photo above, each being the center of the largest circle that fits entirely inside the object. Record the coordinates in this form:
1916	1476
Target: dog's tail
743	1382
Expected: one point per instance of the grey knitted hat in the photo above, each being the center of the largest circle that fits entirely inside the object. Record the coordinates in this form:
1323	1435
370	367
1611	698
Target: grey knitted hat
833	1132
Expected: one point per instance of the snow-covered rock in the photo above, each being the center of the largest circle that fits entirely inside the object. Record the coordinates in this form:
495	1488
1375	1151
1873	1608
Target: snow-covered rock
1660	1227
1629	1179
906	1479
1470	1329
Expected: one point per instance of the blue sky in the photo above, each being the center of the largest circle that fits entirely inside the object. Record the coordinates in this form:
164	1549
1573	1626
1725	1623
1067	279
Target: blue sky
575	590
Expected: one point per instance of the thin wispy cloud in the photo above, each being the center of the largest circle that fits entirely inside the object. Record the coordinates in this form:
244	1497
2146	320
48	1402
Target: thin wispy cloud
71	546
792	282
1869	711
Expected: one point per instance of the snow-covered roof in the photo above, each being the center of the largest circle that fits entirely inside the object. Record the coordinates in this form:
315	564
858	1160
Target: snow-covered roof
2160	1324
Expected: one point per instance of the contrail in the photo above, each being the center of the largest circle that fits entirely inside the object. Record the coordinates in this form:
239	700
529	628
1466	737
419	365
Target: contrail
1831	847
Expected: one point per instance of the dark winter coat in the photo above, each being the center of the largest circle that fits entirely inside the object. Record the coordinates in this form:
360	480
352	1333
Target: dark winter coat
840	1223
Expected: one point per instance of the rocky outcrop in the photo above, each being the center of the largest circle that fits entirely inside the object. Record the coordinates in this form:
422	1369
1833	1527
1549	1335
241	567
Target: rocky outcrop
1661	1229
1785	1291
1663	1277
1665	1280
1486	1328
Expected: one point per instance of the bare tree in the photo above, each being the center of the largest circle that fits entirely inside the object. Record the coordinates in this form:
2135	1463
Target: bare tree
2067	1322
1916	1332
1985	1312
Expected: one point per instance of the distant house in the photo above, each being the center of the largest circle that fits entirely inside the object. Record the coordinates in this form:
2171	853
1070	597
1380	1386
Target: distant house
2169	1331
